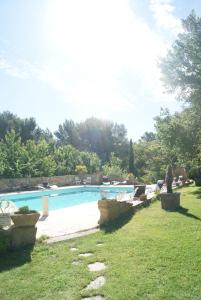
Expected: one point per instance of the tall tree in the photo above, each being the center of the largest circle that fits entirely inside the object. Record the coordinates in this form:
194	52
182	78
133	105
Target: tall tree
149	160
39	159
181	67
148	136
68	133
95	135
26	128
181	70
13	154
131	167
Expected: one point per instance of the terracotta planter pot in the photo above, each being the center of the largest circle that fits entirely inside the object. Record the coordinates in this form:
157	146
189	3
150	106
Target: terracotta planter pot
170	201
25	219
112	209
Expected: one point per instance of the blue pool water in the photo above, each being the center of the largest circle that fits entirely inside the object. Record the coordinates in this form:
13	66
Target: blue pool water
61	198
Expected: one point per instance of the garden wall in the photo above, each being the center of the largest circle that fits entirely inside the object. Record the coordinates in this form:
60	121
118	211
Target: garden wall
18	184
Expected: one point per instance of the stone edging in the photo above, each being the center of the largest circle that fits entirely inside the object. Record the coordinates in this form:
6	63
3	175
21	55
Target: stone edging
72	235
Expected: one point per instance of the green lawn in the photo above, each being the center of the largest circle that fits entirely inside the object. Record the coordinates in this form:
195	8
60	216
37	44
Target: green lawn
156	255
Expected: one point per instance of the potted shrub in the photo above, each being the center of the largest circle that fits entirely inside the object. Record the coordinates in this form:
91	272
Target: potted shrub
25	217
169	200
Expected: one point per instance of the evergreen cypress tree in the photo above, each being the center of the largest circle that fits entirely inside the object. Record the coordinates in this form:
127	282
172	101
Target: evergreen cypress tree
131	167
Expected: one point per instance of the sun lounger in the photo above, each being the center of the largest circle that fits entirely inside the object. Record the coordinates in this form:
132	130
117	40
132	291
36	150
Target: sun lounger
139	190
87	180
77	180
6	208
106	183
123	182
54	186
115	182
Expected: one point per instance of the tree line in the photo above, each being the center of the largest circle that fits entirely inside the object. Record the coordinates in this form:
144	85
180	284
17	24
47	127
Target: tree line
89	146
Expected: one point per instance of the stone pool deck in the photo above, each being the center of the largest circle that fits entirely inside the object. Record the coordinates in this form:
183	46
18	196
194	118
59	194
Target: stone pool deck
67	221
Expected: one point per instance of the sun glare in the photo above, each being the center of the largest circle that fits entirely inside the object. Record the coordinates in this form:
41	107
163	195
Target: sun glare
101	40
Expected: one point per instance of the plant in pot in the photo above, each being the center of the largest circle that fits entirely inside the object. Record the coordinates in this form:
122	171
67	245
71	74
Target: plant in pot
169	200
25	217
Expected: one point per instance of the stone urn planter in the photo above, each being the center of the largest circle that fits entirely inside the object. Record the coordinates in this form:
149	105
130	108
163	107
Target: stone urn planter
170	201
22	219
111	210
23	232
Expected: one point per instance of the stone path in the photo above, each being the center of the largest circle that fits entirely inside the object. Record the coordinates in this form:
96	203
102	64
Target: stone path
73	249
93	267
85	254
96	283
97	266
98	297
76	262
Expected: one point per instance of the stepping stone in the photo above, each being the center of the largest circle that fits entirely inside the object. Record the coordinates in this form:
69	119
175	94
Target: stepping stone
99	244
76	262
98	297
97	266
85	254
97	283
73	249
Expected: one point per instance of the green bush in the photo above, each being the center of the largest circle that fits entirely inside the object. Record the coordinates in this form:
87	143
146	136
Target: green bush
195	172
4	242
81	169
24	210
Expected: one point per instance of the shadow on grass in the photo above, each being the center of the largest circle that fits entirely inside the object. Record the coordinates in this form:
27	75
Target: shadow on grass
197	193
184	211
13	259
118	223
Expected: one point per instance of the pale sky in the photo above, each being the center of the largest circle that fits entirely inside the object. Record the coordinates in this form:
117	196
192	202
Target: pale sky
74	59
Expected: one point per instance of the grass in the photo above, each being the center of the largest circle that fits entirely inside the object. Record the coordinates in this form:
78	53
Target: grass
156	255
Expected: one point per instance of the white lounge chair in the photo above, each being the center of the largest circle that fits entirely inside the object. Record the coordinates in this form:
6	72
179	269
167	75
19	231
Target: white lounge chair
106	183
122	196
6	208
77	180
88	180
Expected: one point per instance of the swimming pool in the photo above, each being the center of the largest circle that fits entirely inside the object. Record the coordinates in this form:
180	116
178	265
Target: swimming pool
64	197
